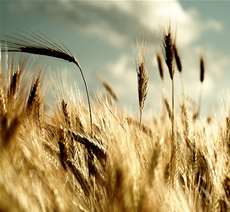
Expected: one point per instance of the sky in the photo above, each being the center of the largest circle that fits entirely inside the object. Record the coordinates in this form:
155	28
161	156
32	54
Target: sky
102	35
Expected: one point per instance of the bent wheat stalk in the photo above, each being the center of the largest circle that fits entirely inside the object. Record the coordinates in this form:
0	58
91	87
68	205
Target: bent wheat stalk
42	45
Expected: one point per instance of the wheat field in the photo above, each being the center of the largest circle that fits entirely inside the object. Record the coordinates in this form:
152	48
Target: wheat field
77	156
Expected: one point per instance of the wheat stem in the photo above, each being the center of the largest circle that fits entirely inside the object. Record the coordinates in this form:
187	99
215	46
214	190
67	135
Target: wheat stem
200	99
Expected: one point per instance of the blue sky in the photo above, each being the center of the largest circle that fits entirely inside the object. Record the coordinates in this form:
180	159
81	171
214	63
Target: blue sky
99	34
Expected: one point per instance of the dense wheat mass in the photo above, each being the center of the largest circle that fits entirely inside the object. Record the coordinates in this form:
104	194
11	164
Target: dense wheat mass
54	158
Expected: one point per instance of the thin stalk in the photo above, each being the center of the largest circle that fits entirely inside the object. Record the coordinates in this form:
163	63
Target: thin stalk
202	74
182	86
140	117
200	99
87	93
173	112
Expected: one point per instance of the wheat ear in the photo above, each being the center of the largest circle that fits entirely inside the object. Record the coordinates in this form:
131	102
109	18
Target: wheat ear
109	89
142	75
14	84
42	45
33	95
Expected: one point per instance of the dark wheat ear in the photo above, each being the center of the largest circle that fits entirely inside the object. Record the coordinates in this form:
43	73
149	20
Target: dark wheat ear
177	58
14	84
202	69
160	66
41	45
168	51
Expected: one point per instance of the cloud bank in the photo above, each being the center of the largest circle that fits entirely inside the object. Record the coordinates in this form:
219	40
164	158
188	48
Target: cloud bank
116	22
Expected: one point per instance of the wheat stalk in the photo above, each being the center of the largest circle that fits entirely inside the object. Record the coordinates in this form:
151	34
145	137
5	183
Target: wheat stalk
42	45
168	43
202	72
168	51
179	67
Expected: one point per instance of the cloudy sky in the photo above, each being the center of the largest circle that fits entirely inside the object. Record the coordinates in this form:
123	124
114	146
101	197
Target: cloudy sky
100	33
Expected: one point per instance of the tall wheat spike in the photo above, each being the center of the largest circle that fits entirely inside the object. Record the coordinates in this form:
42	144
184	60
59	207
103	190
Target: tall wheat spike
42	45
168	42
142	75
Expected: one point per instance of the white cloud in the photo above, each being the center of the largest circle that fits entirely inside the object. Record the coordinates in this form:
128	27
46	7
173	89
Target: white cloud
123	75
213	24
